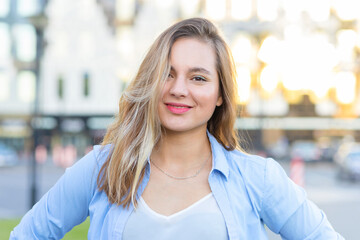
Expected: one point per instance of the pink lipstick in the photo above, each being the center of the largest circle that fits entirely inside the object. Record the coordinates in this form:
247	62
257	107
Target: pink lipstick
177	108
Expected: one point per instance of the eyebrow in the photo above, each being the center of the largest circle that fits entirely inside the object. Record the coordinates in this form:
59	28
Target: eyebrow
195	69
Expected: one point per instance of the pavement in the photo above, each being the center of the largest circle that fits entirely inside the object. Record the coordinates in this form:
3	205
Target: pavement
339	199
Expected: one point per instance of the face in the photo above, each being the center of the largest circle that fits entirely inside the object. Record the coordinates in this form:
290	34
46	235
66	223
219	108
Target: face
191	92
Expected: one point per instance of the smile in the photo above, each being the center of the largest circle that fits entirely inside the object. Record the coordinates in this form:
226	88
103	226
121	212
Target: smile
177	108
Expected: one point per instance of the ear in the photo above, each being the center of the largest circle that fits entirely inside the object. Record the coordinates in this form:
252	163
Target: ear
219	101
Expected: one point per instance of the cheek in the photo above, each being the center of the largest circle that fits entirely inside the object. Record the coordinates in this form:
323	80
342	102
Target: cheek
214	96
209	101
161	94
163	91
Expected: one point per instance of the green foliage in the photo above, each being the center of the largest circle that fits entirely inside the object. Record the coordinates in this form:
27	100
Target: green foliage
77	233
6	226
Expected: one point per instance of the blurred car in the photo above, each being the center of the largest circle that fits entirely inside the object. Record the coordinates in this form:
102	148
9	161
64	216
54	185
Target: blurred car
279	150
327	153
349	166
306	150
345	149
328	148
8	156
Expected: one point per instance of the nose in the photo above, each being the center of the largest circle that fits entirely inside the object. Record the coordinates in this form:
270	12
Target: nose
178	87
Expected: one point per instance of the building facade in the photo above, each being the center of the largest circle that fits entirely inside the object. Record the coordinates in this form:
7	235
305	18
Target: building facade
297	65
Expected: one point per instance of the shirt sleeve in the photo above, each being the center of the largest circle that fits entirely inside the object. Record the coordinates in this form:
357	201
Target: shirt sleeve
287	211
64	206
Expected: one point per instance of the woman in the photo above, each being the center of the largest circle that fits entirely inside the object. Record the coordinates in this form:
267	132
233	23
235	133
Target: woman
169	167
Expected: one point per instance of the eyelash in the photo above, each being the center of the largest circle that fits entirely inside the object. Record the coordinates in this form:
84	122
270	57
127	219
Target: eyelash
199	78
196	78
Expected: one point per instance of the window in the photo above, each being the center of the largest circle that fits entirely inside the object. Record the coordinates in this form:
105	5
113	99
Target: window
4	86
60	87
27	8
5	46
4	8
25	42
86	84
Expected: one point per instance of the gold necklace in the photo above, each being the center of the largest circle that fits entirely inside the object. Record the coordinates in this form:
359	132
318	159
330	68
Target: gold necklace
182	178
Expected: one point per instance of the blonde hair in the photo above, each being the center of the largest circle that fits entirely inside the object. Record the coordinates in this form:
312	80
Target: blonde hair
137	127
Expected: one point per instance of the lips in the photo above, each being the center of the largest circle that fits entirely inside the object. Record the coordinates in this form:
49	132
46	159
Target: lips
178	108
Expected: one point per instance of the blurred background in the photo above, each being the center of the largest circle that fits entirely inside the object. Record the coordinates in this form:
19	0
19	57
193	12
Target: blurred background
64	64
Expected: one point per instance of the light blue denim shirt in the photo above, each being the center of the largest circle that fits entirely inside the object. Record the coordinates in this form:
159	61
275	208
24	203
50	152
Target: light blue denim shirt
251	191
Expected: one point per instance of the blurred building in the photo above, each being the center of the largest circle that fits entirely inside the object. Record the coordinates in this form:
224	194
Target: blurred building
80	86
17	65
297	61
297	64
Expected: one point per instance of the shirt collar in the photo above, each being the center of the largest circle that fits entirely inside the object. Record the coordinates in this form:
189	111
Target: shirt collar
219	158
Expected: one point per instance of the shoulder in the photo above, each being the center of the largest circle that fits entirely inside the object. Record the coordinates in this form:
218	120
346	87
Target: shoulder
240	157
90	164
258	173
253	172
266	182
248	164
100	153
263	175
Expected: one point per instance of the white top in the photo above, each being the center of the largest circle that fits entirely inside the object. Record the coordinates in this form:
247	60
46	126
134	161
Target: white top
201	220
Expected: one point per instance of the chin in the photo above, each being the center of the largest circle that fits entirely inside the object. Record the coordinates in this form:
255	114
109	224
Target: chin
176	130
183	129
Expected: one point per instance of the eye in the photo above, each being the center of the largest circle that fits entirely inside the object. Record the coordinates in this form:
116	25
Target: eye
170	75
199	79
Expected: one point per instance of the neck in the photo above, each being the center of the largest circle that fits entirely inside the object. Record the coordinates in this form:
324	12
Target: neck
182	150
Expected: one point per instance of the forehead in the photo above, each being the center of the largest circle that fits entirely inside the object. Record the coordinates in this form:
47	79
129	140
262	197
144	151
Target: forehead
192	52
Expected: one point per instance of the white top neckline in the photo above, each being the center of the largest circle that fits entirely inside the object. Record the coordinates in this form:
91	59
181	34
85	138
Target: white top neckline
201	220
183	211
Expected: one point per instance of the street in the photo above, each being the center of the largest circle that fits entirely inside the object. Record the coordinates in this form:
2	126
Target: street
339	199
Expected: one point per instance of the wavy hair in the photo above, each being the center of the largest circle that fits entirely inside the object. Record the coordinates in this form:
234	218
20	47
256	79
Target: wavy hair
137	127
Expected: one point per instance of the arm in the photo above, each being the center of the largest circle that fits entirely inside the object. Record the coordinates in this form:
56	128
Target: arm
64	206
287	211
